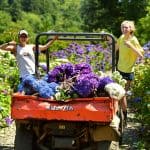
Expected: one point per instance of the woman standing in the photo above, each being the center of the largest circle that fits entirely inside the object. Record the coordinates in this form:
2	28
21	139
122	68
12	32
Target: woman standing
24	52
129	50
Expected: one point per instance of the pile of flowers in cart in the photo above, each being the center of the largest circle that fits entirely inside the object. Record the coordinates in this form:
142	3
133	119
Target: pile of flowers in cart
68	81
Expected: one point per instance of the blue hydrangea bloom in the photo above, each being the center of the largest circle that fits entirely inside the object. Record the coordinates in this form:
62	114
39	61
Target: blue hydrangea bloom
30	85
46	92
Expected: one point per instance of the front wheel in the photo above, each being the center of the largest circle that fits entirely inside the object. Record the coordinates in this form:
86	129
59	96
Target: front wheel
103	145
23	137
107	145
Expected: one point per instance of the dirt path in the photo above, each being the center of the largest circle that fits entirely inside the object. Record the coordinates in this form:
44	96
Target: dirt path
7	136
131	133
130	138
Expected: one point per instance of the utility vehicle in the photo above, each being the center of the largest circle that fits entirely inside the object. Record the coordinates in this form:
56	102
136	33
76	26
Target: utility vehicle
76	124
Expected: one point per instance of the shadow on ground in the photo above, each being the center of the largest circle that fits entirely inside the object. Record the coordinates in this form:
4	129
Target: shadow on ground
131	133
6	148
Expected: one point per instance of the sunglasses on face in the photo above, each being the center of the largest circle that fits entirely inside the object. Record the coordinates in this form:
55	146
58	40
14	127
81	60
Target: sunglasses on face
23	36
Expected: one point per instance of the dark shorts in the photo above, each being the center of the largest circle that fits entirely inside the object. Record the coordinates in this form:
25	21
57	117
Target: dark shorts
127	76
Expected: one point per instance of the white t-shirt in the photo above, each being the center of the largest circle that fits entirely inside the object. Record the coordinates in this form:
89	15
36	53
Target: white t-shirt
25	60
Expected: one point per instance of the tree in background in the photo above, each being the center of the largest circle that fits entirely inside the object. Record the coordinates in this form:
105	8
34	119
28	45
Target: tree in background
38	7
106	14
58	15
5	27
5	20
15	10
143	27
4	6
98	14
71	16
68	17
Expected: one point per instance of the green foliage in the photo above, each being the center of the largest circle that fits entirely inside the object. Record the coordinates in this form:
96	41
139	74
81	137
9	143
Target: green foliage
98	14
71	16
9	80
68	16
4	6
116	76
5	100
9	31
38	16
5	20
142	90
15	10
33	21
143	27
55	14
57	45
38	6
141	98
9	70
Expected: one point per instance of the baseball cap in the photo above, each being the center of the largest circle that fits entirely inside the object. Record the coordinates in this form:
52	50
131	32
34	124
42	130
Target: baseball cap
23	32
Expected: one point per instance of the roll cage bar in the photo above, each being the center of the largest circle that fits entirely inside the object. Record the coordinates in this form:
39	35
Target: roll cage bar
77	37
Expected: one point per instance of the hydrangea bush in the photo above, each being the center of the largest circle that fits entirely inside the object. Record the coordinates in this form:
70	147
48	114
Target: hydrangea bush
140	95
141	99
8	84
97	55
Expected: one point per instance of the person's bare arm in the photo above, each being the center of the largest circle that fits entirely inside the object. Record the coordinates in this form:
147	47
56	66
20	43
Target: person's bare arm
130	45
47	45
116	47
109	40
10	46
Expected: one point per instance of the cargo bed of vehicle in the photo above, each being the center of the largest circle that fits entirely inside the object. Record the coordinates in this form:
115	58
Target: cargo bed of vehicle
96	109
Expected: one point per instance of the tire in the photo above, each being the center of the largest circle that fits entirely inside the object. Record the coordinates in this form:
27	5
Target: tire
23	138
107	145
104	145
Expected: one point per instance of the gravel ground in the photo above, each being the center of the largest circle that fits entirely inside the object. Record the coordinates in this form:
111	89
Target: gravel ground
131	133
7	136
130	137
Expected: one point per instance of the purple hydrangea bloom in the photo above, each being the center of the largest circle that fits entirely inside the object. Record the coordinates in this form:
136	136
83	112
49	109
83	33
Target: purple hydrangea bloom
60	73
137	99
104	81
82	68
88	48
79	50
146	46
8	120
59	54
43	66
86	84
56	75
68	69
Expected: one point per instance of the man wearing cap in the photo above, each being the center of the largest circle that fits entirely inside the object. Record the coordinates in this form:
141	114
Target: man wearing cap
24	52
